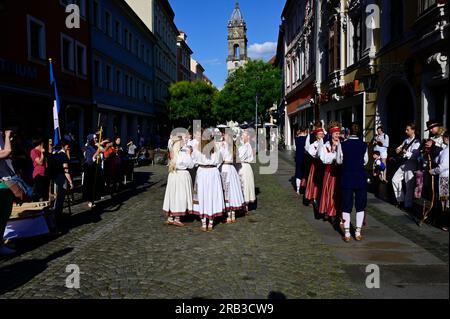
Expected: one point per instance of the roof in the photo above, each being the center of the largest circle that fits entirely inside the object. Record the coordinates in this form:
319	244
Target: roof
236	16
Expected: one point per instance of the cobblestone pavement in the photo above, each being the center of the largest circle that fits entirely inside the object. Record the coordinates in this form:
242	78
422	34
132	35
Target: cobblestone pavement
124	250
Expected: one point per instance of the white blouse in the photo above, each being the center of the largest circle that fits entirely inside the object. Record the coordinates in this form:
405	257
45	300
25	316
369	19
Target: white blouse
442	160
227	155
326	155
201	159
313	149
184	160
245	153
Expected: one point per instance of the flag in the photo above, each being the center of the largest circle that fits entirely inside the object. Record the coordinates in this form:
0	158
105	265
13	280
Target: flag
56	106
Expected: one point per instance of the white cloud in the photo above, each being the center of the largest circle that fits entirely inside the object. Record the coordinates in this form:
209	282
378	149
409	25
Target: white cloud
263	51
212	62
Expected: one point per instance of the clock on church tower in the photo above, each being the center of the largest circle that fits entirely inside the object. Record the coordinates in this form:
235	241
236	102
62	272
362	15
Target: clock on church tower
237	40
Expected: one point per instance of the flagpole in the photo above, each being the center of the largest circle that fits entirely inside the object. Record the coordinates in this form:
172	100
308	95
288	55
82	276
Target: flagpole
55	94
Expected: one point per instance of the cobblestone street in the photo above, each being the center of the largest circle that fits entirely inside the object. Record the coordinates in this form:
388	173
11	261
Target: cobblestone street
124	250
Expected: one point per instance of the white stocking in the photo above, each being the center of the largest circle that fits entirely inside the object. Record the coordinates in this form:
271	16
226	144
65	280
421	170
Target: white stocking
359	222
298	182
346	217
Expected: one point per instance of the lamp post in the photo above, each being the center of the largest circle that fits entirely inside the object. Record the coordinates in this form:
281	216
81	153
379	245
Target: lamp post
256	121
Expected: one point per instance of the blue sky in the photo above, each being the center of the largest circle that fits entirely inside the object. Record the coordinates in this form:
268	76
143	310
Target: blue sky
205	22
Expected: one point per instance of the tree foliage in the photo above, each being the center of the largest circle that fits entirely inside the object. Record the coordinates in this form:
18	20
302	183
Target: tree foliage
190	101
237	100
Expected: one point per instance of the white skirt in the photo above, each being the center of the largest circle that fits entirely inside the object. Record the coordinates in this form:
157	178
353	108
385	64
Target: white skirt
178	197
208	193
232	189
248	182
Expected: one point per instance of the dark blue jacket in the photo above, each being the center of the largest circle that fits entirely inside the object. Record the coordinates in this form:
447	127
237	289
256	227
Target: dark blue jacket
353	171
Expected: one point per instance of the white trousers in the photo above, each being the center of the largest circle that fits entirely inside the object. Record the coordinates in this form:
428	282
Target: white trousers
401	194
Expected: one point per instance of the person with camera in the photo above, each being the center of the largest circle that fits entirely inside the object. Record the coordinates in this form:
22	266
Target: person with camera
40	178
6	196
407	153
381	144
62	179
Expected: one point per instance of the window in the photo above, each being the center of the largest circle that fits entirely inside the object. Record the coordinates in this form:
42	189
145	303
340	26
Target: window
97	73
118	81
36	39
295	65
108	77
237	52
333	48
118	32
67	54
127	85
138	89
136	47
149	57
354	40
96	14
130	42
108	24
396	19
132	92
126	39
141	52
81	59
424	5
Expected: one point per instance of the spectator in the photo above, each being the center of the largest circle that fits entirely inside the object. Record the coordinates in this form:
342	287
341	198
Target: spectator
131	149
62	180
93	177
381	142
6	196
41	181
443	171
408	153
379	168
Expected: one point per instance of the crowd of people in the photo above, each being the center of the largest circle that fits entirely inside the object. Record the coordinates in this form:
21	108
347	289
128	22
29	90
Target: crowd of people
210	176
331	172
37	171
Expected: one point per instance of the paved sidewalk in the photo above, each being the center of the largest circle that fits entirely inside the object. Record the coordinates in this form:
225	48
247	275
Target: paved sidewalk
413	260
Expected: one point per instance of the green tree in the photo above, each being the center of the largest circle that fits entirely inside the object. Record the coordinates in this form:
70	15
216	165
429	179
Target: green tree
190	101
237	100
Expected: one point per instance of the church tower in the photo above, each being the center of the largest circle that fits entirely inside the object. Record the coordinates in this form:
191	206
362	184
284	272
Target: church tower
237	40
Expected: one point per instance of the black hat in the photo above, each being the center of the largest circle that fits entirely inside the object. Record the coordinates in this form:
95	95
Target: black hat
432	123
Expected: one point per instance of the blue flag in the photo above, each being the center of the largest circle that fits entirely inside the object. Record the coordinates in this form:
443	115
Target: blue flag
56	106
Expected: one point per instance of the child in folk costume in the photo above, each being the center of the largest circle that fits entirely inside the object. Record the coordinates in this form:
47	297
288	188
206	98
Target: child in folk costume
234	198
178	197
315	177
300	174
330	197
208	184
245	171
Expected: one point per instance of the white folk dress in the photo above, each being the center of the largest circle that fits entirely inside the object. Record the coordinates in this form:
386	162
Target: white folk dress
178	197
208	192
246	173
232	188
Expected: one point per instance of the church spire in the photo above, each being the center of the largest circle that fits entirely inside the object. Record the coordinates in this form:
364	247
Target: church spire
236	17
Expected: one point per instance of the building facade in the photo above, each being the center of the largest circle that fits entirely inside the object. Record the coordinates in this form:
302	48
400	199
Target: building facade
122	71
197	71
158	16
377	62
298	57
184	53
237	40
33	34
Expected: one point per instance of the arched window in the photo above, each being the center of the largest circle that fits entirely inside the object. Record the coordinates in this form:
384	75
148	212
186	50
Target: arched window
237	52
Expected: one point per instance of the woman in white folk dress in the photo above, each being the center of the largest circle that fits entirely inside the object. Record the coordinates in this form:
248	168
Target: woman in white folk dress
246	172
178	197
209	193
232	189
